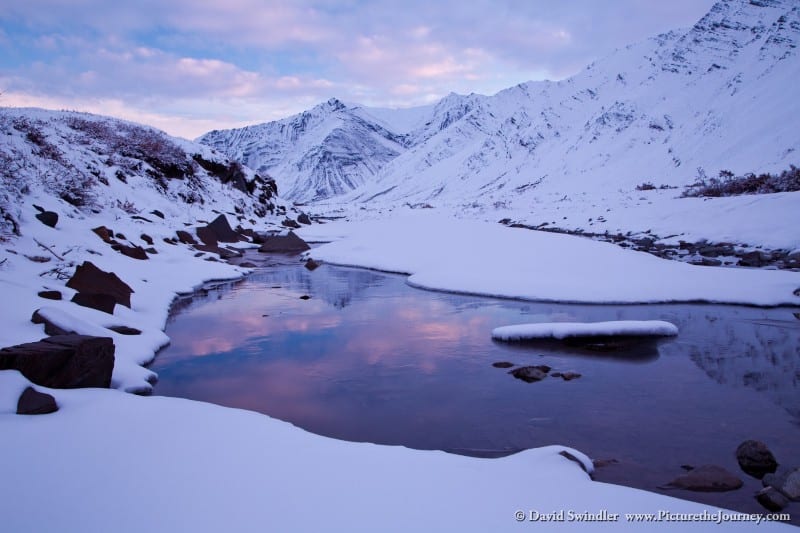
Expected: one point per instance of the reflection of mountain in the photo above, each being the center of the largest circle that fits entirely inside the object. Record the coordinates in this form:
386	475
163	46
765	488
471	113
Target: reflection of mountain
746	351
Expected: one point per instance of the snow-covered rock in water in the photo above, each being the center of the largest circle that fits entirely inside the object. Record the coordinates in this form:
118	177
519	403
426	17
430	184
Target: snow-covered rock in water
564	330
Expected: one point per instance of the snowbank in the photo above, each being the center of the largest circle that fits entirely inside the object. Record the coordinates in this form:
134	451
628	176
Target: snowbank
443	253
563	330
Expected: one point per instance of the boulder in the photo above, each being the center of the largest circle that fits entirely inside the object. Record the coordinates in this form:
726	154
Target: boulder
312	265
103	232
101	302
753	259
289	223
786	480
48	218
755	458
33	402
218	230
284	243
771	499
303	219
146	238
89	279
63	361
706	478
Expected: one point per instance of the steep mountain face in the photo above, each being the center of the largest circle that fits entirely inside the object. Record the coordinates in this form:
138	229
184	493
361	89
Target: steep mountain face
88	164
664	111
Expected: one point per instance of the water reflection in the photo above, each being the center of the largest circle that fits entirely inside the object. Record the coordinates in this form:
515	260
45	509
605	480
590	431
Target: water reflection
368	358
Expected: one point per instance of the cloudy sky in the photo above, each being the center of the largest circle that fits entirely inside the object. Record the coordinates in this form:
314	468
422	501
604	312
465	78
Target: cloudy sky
188	66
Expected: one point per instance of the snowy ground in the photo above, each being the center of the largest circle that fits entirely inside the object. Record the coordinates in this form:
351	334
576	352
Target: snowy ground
108	460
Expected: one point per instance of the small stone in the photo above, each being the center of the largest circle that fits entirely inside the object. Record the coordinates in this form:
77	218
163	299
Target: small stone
755	458
528	374
771	499
312	265
185	237
502	364
33	402
146	238
125	330
569	376
48	218
305	297
706	478
157	213
50	295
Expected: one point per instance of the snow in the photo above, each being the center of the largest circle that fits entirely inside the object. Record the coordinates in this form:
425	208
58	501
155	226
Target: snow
109	460
442	253
564	330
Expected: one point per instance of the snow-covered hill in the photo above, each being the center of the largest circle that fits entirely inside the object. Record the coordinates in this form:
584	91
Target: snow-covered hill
666	111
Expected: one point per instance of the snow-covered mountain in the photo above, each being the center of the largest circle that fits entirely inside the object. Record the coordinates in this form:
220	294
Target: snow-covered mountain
85	164
716	96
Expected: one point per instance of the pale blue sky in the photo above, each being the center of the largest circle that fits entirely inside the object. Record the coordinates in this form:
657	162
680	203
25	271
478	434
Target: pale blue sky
189	66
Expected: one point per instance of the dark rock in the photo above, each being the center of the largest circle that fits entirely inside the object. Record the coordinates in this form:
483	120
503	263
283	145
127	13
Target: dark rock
157	213
38	208
146	238
170	240
571	457
218	230
528	374
247	264
305	297
50	295
312	265
63	361
103	232
246	232
755	458
568	376
706	262
151	250
502	364
289	223
706	478
284	243
134	252
101	302
143	219
258	238
89	279
771	499
49	327
752	259
48	218
185	237
33	402
125	330
786	480
302	218
224	253
122	236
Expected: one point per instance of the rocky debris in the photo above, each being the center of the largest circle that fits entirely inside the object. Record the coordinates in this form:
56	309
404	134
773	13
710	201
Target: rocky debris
48	218
530	374
302	218
125	330
50	295
88	279
786	480
706	478
566	376
33	402
755	458
146	238
63	361
284	243
771	499
502	364
312	264
185	237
